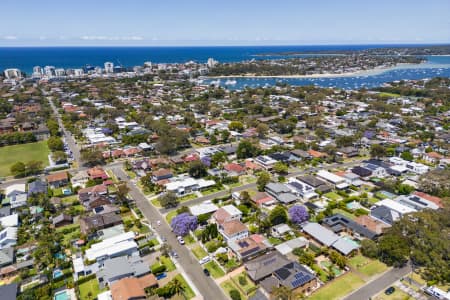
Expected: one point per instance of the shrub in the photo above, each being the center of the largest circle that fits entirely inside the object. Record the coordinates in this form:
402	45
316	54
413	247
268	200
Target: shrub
235	295
242	280
158	269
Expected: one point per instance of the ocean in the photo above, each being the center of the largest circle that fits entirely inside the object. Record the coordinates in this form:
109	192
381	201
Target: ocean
25	58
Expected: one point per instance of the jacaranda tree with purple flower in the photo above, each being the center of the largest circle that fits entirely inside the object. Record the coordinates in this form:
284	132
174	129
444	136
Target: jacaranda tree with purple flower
183	223
298	214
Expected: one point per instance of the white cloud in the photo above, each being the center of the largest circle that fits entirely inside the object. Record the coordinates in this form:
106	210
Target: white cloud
111	38
10	37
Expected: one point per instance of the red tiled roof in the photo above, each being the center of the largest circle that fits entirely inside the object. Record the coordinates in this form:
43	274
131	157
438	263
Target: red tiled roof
57	177
233	167
434	199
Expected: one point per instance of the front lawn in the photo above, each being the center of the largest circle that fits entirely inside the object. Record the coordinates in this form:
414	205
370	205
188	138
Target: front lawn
366	265
187	198
187	291
168	263
199	252
214	269
244	282
333	196
344	213
212	191
9	155
397	295
338	288
228	286
171	215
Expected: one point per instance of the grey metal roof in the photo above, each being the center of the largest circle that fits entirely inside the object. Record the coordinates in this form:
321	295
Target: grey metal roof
320	233
265	265
8	291
344	246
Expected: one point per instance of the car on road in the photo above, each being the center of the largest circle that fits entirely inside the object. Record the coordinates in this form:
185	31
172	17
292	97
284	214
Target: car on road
390	290
180	240
206	272
174	254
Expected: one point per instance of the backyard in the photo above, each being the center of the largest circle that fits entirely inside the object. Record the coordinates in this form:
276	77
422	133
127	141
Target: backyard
24	153
89	289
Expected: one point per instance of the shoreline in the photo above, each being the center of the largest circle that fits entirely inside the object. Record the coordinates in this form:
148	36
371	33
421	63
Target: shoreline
371	72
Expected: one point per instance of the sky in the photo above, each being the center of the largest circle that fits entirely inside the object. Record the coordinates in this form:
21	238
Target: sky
226	22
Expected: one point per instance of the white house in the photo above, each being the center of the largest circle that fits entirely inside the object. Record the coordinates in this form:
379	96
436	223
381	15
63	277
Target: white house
8	237
123	244
265	161
338	181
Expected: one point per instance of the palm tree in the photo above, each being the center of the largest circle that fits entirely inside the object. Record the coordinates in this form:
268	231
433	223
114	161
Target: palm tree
176	286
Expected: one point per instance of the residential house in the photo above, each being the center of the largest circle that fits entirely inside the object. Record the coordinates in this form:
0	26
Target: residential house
433	157
227	213
263	266
58	180
262	199
339	223
6	256
347	152
281	192
316	154
96	173
301	154
301	189
183	185
389	211
9	291
116	268
131	288
234	169
249	247
96	222
316	183
161	174
280	230
15	199
37	187
338	181
371	224
289	246
265	161
8	237
79	179
62	220
233	230
119	245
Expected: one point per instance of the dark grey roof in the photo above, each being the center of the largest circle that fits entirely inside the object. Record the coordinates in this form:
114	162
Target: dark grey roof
320	233
311	180
8	291
383	214
37	187
300	153
258	295
293	275
119	267
265	265
277	188
6	256
5	211
338	222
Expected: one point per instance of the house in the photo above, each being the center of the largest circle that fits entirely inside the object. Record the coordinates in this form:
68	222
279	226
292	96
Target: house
10	221
86	193
116	268
377	170
233	230
316	183
37	187
301	189
301	154
97	173
206	207
96	222
347	152
95	201
62	220
128	289
280	230
6	256
8	237
251	166
119	245
227	213
434	199
263	266
416	202
361	171
293	276
183	185
289	246
58	180
338	181
433	157
249	247
79	179
280	192
339	223
161	174
316	154
371	224
234	169
15	199
265	161
262	199
328	238
9	291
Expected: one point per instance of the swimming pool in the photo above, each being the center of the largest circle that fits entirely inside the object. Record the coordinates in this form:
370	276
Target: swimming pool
63	295
57	273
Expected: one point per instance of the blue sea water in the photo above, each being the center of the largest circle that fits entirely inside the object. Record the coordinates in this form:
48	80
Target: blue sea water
25	58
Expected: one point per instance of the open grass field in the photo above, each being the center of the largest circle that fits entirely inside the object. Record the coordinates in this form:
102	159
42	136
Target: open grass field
339	287
24	153
367	266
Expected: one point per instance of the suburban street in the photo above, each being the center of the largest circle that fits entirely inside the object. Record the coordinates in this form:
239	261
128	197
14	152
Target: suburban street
206	286
379	284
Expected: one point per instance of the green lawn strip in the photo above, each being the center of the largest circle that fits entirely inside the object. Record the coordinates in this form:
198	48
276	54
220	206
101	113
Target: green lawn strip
187	198
345	213
187	291
168	263
69	199
212	191
333	196
89	286
189	239
199	252
9	155
367	266
275	241
228	285
214	269
338	287
171	215
248	286
156	203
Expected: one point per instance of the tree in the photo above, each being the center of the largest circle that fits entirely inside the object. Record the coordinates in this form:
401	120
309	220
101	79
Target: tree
18	169
92	157
262	129
122	191
377	151
298	214
197	169
338	259
59	156
55	144
369	248
278	215
236	126
282	293
305	258
168	199
280	168
235	295
218	157
263	180
183	223
246	149
406	155
33	167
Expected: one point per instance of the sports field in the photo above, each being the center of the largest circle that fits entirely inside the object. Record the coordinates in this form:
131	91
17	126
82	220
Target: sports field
24	153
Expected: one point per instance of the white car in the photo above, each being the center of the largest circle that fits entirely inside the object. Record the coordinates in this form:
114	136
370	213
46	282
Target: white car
180	240
204	260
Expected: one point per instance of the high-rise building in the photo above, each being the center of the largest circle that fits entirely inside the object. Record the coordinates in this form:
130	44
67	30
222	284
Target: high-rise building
37	70
60	72
109	67
49	71
211	62
12	73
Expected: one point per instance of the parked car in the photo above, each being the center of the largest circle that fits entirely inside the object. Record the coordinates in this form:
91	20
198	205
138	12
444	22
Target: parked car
206	272
180	240
389	290
204	260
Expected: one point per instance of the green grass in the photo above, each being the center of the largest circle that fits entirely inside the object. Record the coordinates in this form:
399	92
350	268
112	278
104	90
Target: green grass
212	191
339	287
275	241
156	203
25	152
228	285
188	239
214	269
345	213
171	215
389	95
187	198
168	263
187	291
248	286
199	252
333	196
397	295
367	266
89	286
69	199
